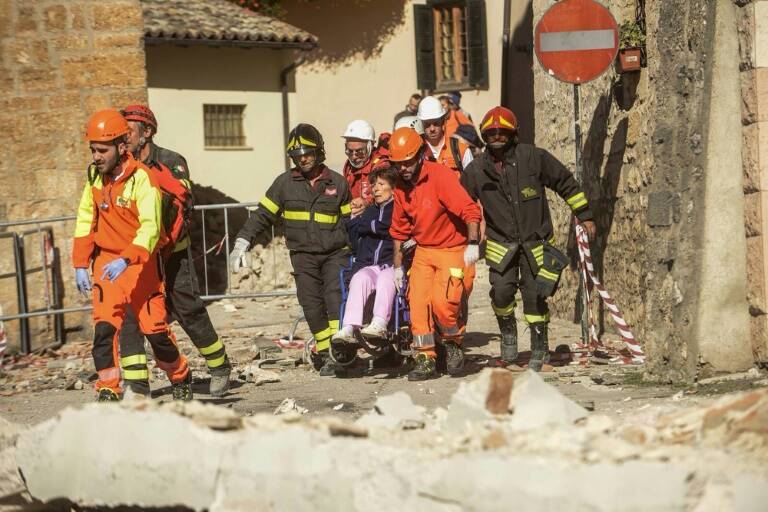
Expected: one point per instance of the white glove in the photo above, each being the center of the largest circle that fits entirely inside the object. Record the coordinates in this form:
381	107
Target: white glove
471	255
399	278
239	258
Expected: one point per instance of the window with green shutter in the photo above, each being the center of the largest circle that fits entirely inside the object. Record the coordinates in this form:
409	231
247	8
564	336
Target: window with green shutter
451	45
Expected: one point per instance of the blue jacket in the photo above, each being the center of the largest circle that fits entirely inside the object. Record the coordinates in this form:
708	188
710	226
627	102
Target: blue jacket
369	235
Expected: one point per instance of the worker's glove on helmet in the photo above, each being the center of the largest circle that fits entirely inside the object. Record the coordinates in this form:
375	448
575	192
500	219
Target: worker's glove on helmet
114	268
399	278
471	255
83	281
239	258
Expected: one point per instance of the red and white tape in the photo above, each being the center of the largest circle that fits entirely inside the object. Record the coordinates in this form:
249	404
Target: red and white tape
590	279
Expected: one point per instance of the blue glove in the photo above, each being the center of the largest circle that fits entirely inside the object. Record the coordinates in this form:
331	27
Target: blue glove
83	280
114	268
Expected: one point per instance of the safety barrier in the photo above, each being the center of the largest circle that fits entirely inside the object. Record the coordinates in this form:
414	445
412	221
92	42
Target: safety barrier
51	268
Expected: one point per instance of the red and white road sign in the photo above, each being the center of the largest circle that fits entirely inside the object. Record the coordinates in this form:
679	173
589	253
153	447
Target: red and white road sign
576	40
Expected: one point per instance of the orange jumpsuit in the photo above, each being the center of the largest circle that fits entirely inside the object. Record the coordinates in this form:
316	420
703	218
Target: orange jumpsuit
435	212
121	219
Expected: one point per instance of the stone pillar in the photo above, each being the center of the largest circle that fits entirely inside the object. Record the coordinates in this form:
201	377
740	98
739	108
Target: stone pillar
59	62
753	43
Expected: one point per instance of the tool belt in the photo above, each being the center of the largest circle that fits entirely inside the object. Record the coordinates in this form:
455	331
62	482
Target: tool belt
547	263
499	255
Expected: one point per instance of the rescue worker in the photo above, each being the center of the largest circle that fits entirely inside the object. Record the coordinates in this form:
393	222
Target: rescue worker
509	180
181	289
362	158
410	109
432	208
457	116
442	148
314	202
116	234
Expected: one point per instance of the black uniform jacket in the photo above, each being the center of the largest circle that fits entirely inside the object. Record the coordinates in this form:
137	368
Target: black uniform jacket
315	217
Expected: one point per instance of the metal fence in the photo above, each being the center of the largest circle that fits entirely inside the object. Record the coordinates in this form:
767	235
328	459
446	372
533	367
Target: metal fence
52	272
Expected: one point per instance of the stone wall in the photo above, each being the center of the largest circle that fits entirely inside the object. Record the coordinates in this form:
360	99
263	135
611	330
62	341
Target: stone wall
59	62
753	43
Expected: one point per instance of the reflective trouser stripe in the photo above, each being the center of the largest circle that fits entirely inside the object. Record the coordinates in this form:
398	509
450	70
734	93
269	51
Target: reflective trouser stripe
546	274
212	348
424	340
536	319
333	325
323	338
132	360
505	311
458	273
135	374
215	363
538	253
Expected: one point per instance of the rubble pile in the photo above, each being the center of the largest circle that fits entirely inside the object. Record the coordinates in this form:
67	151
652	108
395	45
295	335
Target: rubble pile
504	439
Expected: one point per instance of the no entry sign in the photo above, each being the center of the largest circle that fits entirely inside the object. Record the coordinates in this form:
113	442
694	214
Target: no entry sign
576	40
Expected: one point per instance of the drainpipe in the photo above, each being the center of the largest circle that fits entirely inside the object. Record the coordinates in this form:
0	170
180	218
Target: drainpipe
506	42
284	92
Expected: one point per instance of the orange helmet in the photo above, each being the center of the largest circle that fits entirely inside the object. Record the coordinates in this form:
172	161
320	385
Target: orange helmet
140	113
404	144
105	126
498	118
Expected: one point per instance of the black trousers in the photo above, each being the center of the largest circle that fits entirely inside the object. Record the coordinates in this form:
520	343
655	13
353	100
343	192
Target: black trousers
504	285
319	291
183	303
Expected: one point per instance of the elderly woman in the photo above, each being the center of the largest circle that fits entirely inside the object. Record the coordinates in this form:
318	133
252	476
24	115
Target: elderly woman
372	270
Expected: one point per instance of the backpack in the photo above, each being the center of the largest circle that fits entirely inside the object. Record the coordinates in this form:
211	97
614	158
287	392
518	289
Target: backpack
177	205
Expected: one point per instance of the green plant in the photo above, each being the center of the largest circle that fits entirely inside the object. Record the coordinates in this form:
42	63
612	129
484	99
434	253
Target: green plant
631	35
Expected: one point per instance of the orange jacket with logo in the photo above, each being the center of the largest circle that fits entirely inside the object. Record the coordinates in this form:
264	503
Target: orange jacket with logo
435	210
121	216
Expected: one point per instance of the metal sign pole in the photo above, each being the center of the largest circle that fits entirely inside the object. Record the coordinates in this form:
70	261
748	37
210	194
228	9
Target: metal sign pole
580	178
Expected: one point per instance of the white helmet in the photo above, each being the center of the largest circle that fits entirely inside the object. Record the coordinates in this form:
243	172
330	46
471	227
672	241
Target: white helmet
430	108
360	129
410	122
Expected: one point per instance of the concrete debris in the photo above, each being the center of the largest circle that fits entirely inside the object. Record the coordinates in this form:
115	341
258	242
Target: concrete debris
537	404
607	379
393	411
10	480
254	374
752	373
289	406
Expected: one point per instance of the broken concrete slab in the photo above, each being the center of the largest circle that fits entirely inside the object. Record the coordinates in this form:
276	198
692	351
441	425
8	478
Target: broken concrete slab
289	406
393	411
10	480
536	404
253	373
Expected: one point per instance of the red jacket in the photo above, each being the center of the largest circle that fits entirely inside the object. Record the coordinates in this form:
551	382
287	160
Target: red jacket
358	178
435	211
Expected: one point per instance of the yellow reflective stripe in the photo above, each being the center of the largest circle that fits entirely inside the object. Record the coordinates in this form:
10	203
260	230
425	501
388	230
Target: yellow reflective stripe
333	325
132	360
546	274
495	252
506	311
295	215
213	347
325	333
539	249
492	257
85	212
326	219
181	245
215	363
346	209
576	201
135	374
457	273
148	204
307	142
186	183
534	319
323	345
269	205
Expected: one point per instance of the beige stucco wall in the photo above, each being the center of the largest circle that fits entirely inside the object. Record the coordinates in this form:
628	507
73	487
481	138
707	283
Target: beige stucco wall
182	79
365	67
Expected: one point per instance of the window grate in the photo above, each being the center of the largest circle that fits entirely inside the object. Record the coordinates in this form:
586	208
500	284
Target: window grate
224	125
451	44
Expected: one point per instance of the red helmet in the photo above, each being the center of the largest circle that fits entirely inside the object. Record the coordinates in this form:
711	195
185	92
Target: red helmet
404	144
105	126
140	113
498	118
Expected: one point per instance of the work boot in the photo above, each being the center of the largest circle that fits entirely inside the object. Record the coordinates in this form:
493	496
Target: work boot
219	381
508	329
424	368
329	366
107	395
539	346
454	357
183	390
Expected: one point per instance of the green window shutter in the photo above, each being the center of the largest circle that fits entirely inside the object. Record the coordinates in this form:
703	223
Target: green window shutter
425	47
477	46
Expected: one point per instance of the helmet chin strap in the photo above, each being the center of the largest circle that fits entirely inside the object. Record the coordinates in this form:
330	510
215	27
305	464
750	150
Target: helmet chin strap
367	157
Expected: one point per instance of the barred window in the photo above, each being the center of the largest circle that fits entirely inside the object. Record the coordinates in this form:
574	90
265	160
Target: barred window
224	125
451	45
